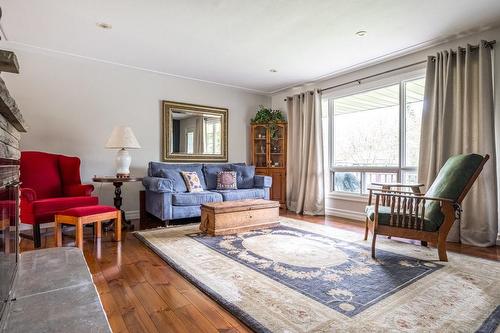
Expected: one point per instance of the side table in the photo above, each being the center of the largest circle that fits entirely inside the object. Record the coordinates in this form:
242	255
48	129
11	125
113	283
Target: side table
117	183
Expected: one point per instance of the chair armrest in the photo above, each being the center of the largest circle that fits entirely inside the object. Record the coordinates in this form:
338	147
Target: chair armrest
412	196
79	190
262	181
158	184
28	194
390	185
393	191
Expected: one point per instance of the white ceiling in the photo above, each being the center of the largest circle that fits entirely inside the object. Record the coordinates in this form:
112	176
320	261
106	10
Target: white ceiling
236	42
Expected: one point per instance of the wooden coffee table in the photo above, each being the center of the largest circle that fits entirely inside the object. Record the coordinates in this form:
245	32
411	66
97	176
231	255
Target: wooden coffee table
231	217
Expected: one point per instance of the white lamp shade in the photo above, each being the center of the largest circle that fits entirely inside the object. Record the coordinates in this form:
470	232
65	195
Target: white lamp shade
122	137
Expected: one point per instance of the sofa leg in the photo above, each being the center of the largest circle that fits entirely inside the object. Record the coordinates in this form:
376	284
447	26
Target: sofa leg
167	222
37	238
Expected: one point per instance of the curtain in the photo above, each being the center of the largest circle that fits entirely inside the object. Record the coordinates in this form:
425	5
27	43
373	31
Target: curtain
199	142
305	184
458	118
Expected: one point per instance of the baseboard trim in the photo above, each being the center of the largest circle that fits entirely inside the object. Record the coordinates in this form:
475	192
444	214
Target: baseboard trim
347	214
132	214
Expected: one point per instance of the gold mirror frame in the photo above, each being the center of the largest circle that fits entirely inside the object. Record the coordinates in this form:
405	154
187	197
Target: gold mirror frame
167	109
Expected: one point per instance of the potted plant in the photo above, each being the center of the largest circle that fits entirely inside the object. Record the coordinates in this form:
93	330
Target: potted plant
270	117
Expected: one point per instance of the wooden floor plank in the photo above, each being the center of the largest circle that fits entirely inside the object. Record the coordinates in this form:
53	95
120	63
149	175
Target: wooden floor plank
113	313
194	319
206	306
133	312
141	293
169	322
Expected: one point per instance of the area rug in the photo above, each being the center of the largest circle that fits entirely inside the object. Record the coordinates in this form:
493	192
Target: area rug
304	277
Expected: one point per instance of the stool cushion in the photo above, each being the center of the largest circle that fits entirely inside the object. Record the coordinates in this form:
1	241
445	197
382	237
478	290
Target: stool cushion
87	210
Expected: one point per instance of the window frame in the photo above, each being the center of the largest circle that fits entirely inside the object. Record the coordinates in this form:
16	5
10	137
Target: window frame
401	168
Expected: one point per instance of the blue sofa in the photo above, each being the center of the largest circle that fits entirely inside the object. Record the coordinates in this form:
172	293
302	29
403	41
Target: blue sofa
167	197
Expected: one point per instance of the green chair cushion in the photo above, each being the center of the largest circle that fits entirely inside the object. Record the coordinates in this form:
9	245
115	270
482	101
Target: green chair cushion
450	183
384	217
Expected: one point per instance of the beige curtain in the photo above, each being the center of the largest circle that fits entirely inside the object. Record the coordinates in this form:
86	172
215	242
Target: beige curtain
458	118
305	184
199	142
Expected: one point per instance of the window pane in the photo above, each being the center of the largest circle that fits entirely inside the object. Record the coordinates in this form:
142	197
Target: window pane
409	177
347	182
414	96
366	128
378	177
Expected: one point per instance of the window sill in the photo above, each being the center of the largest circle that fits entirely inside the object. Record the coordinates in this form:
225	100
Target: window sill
348	197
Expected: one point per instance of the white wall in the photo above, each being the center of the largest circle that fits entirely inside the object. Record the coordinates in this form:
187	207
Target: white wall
353	207
71	105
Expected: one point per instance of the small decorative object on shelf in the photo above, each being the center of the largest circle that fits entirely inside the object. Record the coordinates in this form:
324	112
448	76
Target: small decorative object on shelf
269	140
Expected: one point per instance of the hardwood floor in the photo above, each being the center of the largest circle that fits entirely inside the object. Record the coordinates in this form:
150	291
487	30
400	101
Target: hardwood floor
141	293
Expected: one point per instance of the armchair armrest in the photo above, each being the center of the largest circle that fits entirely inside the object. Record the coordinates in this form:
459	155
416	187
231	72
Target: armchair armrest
371	189
412	196
158	184
78	190
28	194
262	181
390	185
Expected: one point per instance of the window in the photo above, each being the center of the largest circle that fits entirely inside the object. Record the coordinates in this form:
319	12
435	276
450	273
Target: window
212	134
374	136
190	142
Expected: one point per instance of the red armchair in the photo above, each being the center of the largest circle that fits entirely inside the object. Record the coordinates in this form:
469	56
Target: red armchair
50	183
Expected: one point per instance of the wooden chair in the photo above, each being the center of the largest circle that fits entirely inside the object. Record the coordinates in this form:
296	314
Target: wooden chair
426	217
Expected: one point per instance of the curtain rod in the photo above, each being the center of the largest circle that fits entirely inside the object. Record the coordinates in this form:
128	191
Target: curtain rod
487	44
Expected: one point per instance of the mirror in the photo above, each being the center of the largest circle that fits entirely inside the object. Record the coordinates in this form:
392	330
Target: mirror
194	133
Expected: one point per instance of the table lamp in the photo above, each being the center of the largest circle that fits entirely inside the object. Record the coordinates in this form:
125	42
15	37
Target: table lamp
122	138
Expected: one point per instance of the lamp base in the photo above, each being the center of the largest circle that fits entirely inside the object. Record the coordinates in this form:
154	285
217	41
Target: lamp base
123	161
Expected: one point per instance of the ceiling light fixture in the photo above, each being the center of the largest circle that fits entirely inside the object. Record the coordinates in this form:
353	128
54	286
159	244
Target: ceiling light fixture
272	70
103	25
361	33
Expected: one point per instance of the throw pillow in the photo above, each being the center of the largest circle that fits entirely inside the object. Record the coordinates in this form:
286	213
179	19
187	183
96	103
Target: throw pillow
192	181
226	180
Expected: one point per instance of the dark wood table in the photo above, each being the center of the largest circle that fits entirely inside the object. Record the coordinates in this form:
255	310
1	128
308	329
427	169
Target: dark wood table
117	183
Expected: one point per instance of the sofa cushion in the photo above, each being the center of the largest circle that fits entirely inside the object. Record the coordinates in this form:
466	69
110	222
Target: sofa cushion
195	198
158	169
175	176
45	209
182	212
241	194
210	172
160	185
245	175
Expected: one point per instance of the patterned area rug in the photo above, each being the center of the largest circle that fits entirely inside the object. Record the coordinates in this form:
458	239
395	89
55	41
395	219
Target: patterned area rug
303	277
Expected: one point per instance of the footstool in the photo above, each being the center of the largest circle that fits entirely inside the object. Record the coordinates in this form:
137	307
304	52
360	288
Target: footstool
79	216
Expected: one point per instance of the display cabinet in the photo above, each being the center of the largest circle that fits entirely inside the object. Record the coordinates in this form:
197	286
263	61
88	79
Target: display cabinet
269	144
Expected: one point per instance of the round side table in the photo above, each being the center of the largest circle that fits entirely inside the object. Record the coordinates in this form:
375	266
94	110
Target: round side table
117	183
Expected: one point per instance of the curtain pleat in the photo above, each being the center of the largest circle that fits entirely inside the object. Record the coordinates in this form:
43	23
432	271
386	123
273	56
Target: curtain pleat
305	184
458	119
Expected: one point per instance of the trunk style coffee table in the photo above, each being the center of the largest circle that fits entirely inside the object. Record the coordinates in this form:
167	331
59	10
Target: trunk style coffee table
231	217
117	183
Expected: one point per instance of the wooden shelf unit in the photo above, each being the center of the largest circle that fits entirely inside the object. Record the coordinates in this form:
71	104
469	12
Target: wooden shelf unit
269	157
